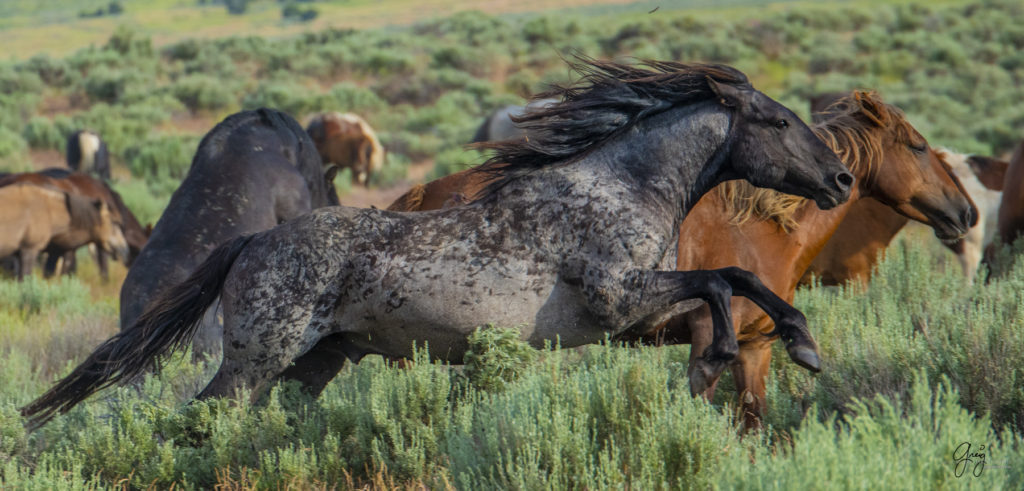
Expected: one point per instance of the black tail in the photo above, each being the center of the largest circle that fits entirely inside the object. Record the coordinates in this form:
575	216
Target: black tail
169	322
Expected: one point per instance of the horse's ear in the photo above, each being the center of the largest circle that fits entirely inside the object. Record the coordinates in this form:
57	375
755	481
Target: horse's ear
989	171
872	107
728	95
331	172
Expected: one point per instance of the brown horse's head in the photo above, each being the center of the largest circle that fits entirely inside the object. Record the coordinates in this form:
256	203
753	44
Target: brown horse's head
347	141
92	215
896	165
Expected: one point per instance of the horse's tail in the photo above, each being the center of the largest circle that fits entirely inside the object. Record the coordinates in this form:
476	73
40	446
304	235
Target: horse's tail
169	322
412	200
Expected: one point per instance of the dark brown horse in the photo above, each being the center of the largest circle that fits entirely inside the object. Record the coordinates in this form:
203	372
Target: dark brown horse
775	236
349	142
1011	206
869	227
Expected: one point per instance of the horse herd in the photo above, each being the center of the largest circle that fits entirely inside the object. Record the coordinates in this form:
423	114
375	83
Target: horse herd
573	231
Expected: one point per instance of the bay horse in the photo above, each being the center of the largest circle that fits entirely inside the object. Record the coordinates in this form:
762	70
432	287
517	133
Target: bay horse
501	124
776	236
853	251
348	141
254	170
570	243
84	185
33	216
86	152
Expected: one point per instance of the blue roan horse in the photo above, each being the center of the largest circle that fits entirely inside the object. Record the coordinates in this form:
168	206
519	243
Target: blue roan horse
573	241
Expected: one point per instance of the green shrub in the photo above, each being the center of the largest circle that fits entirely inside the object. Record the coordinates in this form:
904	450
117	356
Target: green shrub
159	158
202	92
11	144
496	357
289	97
42	133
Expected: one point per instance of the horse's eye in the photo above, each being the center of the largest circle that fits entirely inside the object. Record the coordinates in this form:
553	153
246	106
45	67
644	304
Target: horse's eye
918	148
782	123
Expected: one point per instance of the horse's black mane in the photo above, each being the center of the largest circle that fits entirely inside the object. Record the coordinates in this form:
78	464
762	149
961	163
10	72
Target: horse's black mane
609	98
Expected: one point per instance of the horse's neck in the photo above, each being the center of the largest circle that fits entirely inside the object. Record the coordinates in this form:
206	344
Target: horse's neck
668	160
816	227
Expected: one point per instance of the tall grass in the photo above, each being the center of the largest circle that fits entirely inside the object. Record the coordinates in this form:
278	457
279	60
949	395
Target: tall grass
915	365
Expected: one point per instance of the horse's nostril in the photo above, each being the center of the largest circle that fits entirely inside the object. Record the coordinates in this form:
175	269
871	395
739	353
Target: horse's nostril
970	217
844	180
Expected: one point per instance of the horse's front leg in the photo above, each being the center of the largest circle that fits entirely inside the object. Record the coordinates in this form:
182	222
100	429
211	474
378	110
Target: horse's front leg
660	290
790	323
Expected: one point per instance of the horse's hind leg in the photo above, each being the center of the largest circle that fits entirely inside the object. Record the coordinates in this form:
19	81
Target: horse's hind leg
790	323
260	341
318	366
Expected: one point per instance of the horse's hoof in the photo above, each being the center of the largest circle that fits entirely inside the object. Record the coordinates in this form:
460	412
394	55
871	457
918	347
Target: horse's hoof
805	356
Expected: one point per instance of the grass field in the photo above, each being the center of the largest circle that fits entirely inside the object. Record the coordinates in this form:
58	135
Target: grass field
916	365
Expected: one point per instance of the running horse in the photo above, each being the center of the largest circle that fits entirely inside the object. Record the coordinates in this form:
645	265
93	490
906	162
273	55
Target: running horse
855	248
571	241
776	236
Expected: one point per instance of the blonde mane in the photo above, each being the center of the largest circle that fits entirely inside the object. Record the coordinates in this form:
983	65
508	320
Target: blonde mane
377	150
854	130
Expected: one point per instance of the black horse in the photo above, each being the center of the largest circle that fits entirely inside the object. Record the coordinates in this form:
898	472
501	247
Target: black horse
87	152
254	170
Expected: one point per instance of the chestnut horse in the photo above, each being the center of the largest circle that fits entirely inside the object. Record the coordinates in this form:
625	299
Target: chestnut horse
33	216
348	141
870	226
776	236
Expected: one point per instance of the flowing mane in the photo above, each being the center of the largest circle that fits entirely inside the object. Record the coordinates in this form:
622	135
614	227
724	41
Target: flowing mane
854	130
608	99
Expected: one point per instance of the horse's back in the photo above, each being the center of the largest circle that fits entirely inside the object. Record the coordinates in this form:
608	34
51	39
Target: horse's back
231	189
457	188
